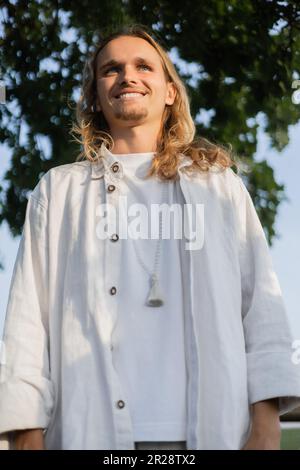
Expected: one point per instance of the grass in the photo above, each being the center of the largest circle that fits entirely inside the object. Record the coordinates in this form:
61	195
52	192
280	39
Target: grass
290	439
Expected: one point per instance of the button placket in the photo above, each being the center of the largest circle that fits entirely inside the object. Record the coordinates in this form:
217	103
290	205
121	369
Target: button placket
122	416
114	237
113	249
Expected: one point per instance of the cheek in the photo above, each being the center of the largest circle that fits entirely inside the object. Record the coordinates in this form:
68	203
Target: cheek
102	91
159	90
160	97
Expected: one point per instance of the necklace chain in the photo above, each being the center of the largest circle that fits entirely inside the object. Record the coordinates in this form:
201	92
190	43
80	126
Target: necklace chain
158	244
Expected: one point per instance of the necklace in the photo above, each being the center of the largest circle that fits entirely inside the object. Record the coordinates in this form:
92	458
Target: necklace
154	298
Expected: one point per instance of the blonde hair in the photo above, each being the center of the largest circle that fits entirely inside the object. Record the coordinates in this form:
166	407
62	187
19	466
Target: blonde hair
177	132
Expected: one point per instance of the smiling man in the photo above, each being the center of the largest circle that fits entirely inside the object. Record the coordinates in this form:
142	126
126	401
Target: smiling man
132	93
129	343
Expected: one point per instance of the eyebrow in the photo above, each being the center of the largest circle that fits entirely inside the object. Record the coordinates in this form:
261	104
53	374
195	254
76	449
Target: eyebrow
115	62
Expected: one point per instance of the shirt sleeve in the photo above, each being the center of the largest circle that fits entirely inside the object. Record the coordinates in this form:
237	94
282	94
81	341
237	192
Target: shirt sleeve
26	389
268	337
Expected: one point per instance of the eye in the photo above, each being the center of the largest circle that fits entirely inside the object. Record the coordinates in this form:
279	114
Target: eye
145	65
110	68
116	67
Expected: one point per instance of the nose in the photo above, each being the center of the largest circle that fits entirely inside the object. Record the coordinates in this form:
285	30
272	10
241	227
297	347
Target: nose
127	75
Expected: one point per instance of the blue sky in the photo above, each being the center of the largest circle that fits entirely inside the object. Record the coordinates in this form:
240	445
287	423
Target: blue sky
285	251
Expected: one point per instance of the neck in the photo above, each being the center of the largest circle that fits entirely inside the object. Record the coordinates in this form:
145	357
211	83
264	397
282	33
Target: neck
136	139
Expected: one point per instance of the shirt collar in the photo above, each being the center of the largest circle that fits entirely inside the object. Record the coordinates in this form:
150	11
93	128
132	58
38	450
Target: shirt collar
107	163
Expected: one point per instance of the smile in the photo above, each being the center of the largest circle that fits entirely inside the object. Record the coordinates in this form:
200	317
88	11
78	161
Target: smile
129	96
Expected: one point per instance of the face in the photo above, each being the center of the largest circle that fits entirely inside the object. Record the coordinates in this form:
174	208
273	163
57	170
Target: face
131	64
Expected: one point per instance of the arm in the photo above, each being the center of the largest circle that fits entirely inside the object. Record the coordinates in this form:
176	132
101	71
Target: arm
26	388
265	433
28	439
273	378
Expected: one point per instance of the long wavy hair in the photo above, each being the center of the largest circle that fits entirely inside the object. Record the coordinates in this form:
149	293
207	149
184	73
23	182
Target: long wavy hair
177	131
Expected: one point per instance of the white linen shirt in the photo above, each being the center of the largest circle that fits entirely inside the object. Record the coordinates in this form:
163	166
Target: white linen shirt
58	371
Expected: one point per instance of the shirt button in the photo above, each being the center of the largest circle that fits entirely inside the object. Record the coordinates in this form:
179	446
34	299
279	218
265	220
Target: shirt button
115	168
111	347
114	237
111	188
121	403
113	290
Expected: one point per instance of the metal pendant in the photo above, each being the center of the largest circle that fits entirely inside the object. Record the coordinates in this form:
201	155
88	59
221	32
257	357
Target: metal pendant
154	297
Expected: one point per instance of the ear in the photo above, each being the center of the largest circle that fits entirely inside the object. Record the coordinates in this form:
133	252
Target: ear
171	93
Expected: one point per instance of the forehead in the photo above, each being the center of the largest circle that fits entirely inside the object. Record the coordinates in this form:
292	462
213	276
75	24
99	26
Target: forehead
126	48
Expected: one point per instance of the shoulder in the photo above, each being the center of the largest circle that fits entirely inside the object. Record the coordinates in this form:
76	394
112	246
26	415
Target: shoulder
58	179
223	181
75	169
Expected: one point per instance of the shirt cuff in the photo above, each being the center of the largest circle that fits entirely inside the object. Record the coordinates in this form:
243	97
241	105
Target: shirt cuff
25	403
274	375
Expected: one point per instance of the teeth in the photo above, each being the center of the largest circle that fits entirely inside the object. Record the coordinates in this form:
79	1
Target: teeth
130	95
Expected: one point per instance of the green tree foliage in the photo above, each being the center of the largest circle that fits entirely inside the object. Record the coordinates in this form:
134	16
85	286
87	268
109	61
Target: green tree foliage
245	56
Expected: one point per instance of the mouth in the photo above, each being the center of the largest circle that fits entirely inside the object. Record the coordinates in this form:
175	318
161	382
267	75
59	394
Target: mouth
129	96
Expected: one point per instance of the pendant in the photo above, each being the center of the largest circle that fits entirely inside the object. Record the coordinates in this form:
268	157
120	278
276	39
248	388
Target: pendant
154	297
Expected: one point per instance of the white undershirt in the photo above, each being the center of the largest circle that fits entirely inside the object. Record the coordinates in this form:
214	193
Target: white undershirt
148	342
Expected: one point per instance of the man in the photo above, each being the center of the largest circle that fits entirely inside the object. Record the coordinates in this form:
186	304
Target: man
95	357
